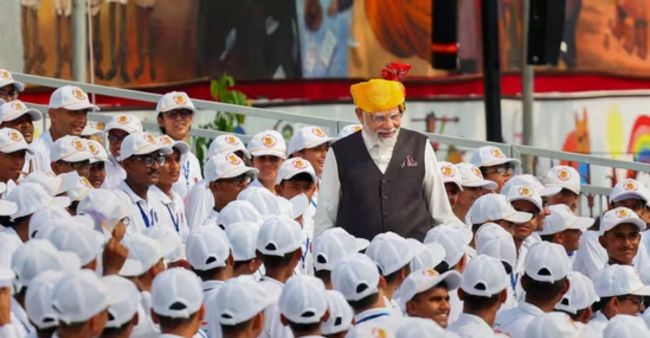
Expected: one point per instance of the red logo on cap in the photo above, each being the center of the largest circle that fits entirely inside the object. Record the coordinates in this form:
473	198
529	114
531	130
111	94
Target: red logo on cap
268	141
496	152
233	159
231	140
563	174
15	136
318	132
123	119
448	170
180	99
79	94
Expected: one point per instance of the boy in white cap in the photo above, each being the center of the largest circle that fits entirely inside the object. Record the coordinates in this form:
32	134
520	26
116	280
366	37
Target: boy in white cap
328	249
453	181
425	294
268	149
29	198
483	291
545	282
340	315
562	186
563	227
119	127
13	152
9	88
474	186
98	161
525	198
578	301
70	153
175	113
68	108
494	165
16	115
171	207
141	156
81	301
243	240
312	144
496	208
38	303
240	308
123	312
303	306
296	176
177	303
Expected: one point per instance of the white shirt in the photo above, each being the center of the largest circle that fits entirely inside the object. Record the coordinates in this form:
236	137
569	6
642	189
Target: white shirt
115	174
373	320
330	188
142	211
455	306
212	219
198	204
598	323
210	323
20	320
146	328
591	257
471	326
42	148
171	211
514	321
273	327
190	174
393	306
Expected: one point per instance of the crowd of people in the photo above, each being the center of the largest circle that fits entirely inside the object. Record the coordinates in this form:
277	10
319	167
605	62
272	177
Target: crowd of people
364	234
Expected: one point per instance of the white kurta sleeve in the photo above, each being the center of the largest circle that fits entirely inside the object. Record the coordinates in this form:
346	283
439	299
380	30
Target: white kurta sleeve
434	189
328	196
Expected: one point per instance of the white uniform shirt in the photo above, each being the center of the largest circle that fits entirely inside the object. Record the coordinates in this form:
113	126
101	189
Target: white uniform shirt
210	323
273	327
375	320
198	204
42	148
143	212
471	326
171	211
597	324
115	174
330	188
514	321
146	328
212	219
456	306
190	174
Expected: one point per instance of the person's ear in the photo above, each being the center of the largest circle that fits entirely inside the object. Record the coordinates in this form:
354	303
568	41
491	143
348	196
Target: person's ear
565	287
602	241
136	319
325	316
503	296
461	294
258	322
154	317
410	307
284	320
278	190
382	282
359	114
160	120
558	238
231	260
201	314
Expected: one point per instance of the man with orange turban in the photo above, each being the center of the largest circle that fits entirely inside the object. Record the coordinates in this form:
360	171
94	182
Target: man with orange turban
383	177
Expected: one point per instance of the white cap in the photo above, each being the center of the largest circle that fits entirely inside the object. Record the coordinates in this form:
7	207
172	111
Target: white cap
293	167
425	256
523	179
239	211
553	325
330	247
349	130
125	298
362	243
239	299
182	146
524	193
484	276
581	294
489	156
171	245
30	197
341	314
450	174
494	207
628	189
626	326
307	138
87	244
141	144
619	280
547	262
126	122
620	215
452	239
390	252
38	300
90	130
420	281
488	232
7	79
561	177
226	165
356	276
413	327
501	246
264	201
562	218
227	144
12	110
144	253
53	184
303	300
70	98
97	151
11	140
243	240
176	293
175	100
105	207
207	248
76	187
268	142
47	217
79	296
279	235
70	149
472	177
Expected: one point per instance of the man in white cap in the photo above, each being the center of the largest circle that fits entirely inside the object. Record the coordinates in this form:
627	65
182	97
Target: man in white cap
81	301
303	306
239	308
562	186
123	312
494	165
16	115
177	303
119	127
340	315
425	294
268	150
171	207
98	161
496	208
9	88
483	291
453	181
70	153
563	227
578	301
141	156
474	186
68	109
175	113
545	282
312	144
13	152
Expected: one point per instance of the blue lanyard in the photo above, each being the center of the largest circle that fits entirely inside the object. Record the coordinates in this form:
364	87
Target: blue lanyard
372	317
186	173
313	203
513	281
175	221
144	216
306	251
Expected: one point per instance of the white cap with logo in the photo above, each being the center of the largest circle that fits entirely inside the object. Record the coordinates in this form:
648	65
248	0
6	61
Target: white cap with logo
419	281
239	299
70	149
97	151
581	294
279	235
619	280
450	174
303	300
629	189
268	143
472	177
390	252
30	197
125	298
91	130
341	314
293	167
126	122
349	130
547	262
182	146
494	207
524	193
11	141
38	299
307	138
207	248
523	179
484	276
489	156
618	216
243	240
227	144
7	79
70	98
176	293
562	218
561	177
226	165
142	144
175	100
79	296
12	110
356	276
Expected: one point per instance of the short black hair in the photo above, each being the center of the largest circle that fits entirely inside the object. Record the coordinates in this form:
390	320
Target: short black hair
175	322
239	264
277	261
295	327
323	274
537	290
547	238
230	329
112	331
206	275
363	303
474	303
302	177
393	276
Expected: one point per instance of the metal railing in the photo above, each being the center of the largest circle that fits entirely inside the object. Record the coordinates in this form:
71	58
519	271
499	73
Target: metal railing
333	126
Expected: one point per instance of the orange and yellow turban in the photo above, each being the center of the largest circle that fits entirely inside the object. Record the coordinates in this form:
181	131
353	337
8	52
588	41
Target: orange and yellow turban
378	95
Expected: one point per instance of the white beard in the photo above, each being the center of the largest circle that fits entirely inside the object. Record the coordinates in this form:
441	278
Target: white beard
383	143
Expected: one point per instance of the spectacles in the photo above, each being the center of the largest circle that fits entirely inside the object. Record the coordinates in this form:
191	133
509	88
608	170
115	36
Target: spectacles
637	301
501	170
240	180
76	165
183	113
381	118
149	160
9	92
